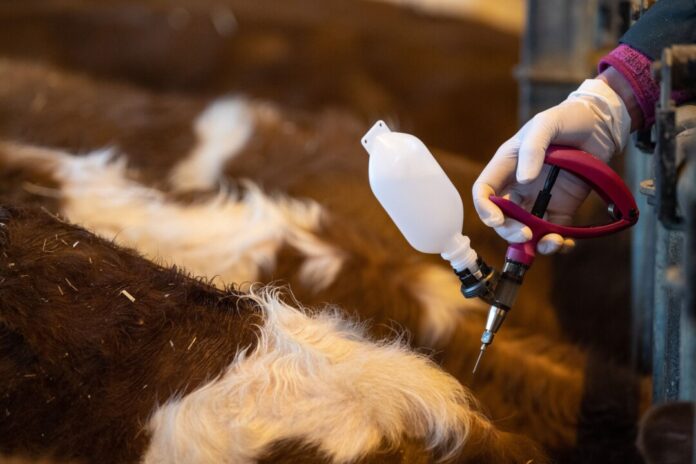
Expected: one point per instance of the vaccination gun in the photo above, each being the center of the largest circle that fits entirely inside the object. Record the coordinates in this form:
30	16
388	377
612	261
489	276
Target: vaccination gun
427	209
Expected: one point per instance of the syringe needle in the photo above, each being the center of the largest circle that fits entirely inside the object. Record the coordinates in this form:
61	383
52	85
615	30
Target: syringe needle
478	360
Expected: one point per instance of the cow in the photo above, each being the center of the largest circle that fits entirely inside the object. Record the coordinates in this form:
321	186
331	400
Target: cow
108	357
294	207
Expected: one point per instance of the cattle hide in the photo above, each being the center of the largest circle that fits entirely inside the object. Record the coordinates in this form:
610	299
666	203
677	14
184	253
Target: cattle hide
108	357
449	80
305	216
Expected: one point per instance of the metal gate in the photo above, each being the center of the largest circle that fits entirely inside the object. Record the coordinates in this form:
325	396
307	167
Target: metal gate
562	42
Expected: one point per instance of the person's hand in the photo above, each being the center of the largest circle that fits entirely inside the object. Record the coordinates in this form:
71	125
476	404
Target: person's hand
594	119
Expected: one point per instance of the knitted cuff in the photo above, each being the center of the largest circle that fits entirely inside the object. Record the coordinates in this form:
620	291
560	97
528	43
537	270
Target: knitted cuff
635	68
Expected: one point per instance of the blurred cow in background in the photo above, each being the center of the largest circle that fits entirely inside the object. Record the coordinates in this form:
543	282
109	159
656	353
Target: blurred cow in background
428	72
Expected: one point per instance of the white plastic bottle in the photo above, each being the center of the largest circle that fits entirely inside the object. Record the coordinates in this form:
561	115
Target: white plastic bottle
418	195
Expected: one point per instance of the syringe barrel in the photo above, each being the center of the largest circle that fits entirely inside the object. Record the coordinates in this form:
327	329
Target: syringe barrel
509	284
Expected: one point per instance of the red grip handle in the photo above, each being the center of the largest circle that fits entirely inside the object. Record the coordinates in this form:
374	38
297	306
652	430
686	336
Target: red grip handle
595	173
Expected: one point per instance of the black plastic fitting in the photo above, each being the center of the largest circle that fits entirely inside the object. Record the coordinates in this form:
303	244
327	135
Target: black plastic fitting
479	287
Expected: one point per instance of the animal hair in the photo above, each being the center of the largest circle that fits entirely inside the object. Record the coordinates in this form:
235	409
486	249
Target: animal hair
231	237
313	156
223	128
94	338
401	296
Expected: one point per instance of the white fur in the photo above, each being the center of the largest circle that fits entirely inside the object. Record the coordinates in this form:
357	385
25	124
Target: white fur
436	288
222	131
231	237
317	379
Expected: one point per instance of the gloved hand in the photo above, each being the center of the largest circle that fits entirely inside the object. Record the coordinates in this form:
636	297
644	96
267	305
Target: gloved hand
594	119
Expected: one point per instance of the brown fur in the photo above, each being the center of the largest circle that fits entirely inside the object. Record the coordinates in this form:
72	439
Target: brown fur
486	445
83	366
34	460
46	107
449	80
531	381
320	157
304	155
523	384
150	42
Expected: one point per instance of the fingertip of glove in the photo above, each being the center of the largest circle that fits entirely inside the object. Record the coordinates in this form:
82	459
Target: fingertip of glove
525	173
519	236
550	244
525	178
493	219
547	248
568	246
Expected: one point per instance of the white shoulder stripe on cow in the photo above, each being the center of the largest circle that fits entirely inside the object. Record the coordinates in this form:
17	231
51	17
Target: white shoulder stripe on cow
231	237
222	130
317	379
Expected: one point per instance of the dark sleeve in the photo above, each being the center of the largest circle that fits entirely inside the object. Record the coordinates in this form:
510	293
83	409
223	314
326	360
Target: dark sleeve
666	23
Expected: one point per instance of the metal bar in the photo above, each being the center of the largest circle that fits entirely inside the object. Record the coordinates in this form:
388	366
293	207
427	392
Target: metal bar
666	79
665	161
674	333
687	196
686	275
666	317
639	168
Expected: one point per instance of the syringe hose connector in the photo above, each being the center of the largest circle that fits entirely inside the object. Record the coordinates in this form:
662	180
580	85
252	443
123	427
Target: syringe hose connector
482	285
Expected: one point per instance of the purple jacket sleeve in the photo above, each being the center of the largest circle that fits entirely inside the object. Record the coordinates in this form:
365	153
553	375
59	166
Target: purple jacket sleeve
635	68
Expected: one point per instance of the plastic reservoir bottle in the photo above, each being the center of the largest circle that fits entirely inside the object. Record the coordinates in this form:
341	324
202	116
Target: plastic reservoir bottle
418	195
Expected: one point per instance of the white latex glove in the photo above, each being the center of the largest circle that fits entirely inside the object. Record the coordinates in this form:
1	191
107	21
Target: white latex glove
593	119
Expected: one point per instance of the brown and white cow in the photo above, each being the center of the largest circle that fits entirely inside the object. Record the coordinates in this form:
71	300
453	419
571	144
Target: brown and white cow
447	79
106	357
305	216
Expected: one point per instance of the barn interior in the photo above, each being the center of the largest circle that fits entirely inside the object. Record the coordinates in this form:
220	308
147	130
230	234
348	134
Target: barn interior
185	205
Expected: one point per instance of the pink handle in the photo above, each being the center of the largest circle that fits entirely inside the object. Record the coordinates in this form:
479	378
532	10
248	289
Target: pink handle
595	173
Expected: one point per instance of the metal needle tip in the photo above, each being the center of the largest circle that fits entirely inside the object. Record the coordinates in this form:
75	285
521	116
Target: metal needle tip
478	360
